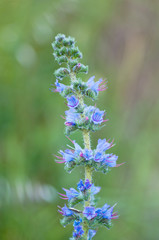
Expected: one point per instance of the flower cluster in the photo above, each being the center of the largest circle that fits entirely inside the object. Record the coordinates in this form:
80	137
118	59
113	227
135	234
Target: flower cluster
83	193
94	217
78	231
80	116
97	159
89	89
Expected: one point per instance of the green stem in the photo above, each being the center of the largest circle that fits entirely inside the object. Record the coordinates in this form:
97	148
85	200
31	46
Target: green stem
88	175
88	170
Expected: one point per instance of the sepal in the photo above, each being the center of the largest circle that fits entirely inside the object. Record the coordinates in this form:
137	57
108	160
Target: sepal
61	73
91	94
79	85
68	91
80	68
67	220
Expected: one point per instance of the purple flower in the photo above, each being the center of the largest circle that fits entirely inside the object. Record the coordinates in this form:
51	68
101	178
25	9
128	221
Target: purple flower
89	212
78	231
95	190
91	233
68	155
92	85
96	86
88	110
98	157
77	223
87	184
72	193
59	87
98	116
108	213
110	160
73	102
105	212
82	187
65	211
78	149
87	154
71	117
105	208
103	145
99	212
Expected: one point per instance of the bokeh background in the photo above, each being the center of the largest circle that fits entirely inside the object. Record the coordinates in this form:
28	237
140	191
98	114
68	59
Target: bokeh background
120	41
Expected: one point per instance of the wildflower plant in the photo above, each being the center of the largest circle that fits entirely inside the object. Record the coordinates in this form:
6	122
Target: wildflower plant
79	116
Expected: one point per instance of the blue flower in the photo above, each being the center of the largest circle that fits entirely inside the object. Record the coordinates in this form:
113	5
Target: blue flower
68	155
89	212
98	116
65	211
88	110
71	117
87	154
82	187
78	149
105	208
108	213
94	114
103	145
59	87
73	102
95	190
98	211
102	211
110	160
78	231
76	223
92	85
96	86
98	157
87	184
91	234
72	193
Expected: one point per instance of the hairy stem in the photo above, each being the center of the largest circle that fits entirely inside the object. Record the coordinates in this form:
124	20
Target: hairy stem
88	175
87	144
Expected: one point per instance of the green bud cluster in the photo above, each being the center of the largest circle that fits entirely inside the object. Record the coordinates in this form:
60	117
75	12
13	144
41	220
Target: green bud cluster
66	52
77	86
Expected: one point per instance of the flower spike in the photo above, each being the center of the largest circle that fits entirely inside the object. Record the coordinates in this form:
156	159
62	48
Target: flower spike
86	119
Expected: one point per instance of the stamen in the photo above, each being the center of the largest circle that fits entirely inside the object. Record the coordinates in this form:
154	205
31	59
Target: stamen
118	165
70	140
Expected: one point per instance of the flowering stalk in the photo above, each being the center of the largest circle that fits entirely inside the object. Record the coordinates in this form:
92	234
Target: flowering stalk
88	171
79	116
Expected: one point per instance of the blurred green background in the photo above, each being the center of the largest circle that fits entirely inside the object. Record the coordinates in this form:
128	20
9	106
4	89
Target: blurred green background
120	41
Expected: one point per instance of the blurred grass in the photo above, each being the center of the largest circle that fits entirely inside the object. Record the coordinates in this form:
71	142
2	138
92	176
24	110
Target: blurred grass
120	41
